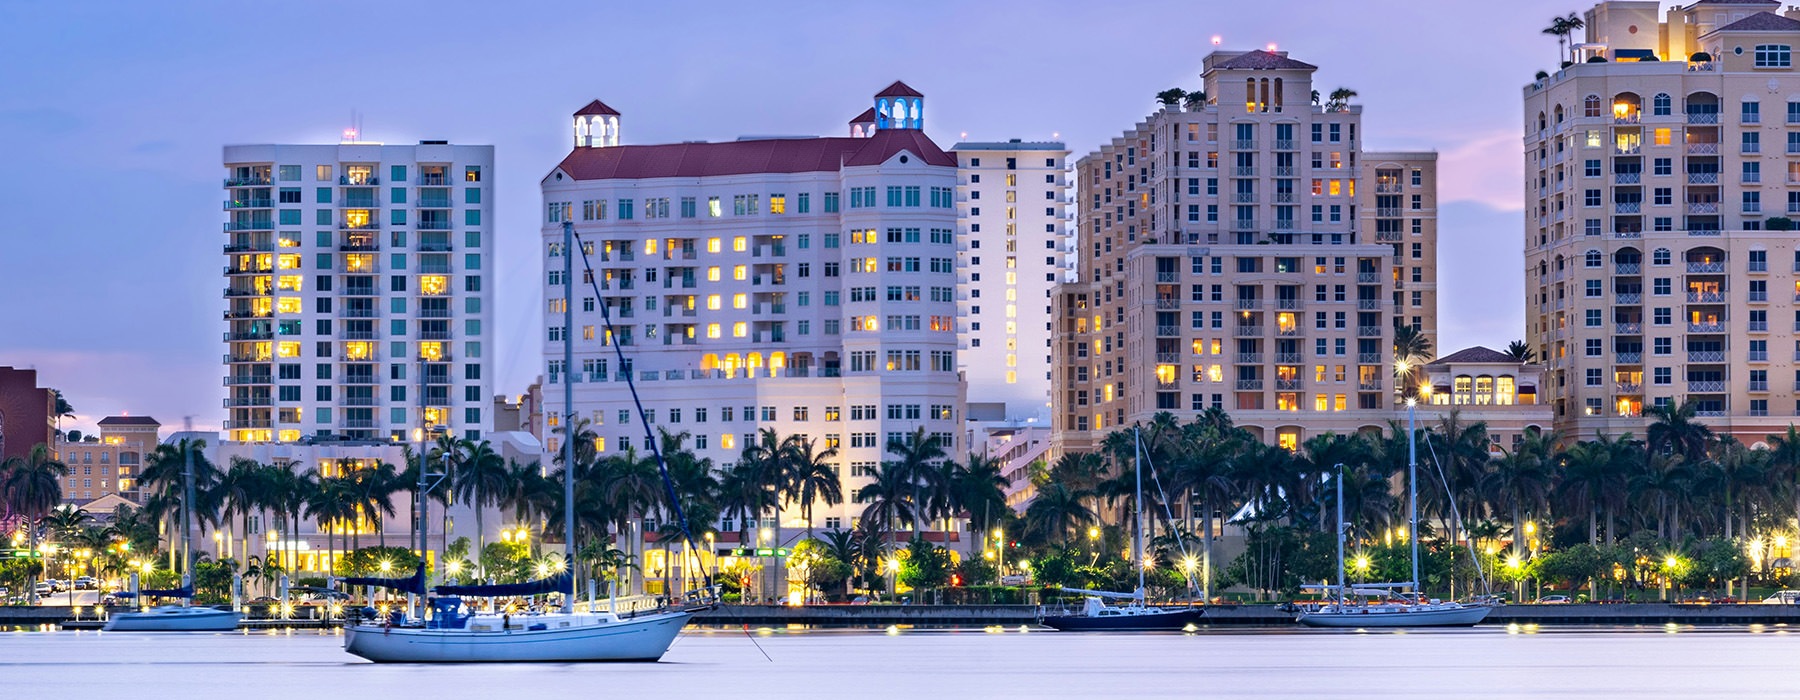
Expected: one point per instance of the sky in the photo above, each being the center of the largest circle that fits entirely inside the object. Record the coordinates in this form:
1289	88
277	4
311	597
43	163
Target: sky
113	114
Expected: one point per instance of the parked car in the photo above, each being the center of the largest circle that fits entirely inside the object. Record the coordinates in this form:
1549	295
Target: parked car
86	583
1552	600
1783	598
43	588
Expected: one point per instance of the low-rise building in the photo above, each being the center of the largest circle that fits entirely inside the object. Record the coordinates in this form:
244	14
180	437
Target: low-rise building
1489	386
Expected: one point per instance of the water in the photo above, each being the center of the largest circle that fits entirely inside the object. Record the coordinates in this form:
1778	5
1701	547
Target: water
942	664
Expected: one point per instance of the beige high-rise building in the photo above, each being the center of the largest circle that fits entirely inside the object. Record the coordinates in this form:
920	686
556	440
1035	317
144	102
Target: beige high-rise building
1244	253
1658	190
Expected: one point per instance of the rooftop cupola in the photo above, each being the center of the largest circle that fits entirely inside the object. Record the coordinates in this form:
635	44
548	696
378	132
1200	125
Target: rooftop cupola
596	126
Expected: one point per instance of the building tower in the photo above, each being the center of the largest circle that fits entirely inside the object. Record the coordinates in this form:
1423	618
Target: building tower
596	126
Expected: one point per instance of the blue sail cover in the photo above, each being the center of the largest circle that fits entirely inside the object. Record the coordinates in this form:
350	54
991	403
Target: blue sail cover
560	582
414	584
184	592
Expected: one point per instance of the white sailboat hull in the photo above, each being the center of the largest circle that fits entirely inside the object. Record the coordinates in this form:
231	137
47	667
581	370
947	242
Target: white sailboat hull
1459	616
643	638
175	619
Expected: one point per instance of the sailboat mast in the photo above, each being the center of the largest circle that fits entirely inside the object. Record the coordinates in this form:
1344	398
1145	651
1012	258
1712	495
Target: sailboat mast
1412	485
568	377
1137	516
187	503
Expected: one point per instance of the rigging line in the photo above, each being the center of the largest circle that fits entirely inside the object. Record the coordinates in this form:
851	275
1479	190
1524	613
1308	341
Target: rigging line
757	644
1169	515
662	466
1450	496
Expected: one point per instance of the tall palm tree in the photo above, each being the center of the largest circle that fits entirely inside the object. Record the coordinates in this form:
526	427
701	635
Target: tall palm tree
1559	28
1195	100
1057	511
978	487
1171	97
914	456
1784	458
333	505
888	499
241	490
1673	428
814	478
1520	480
479	483
375	486
1340	99
32	485
1411	351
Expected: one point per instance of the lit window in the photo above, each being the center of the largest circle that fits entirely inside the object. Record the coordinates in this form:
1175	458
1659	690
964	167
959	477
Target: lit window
712	274
740	329
289	261
712	244
740	244
288	305
431	350
712	330
712	302
287	348
740	272
739	301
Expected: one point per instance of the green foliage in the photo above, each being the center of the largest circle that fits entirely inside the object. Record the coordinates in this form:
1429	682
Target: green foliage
819	567
367	562
212	580
976	571
1779	223
1710	563
925	566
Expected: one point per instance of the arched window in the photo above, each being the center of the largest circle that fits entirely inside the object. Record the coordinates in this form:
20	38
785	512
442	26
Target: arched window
1559	115
1461	389
1542	124
1250	95
1484	390
1593	259
1661	105
1504	390
1660	256
1591	107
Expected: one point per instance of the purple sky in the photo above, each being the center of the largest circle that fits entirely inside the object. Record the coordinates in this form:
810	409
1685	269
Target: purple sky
114	114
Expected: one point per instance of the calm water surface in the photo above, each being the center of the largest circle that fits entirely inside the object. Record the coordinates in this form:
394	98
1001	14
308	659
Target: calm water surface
944	664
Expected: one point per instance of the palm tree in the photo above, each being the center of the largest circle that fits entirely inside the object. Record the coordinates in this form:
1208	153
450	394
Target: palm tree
1559	28
480	482
64	522
1411	351
1520	481
240	490
1520	351
914	456
1673	429
1340	99
32	485
979	488
1784	457
1195	100
814	478
333	504
1057	511
375	487
1171	97
888	498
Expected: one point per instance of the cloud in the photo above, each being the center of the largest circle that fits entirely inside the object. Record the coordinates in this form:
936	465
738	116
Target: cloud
1483	169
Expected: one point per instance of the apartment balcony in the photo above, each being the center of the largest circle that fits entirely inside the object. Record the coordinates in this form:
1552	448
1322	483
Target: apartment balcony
359	423
433	203
1751	148
1168	331
1168	277
1703	118
1628	298
1248	358
1369	385
248	401
1287	332
1750	178
1629	358
1368	358
1168	304
247	181
1627	178
246	313
433	226
1243	171
359	203
1243	144
1284	171
1168	358
1249	385
1703	178
1244	197
252	225
370	225
1284	198
1248	331
1628	388
1706	327
246	424
234	204
433	180
356	335
232	293
1388	212
1368	277
360	245
1286	144
1627	207
1387	237
1759	326
1388	188
1702	268
248	379
1752	208
250	335
1628	328
1625	150
1759	385
1706	356
359	181
1368	304
359	401
1287	304
357	312
1706	297
1759	356
1627	268
362	290
1368	331
1706	387
434	313
1249	304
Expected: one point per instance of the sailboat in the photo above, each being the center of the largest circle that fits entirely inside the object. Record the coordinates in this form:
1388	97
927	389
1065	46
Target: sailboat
452	635
1387	604
1095	615
178	618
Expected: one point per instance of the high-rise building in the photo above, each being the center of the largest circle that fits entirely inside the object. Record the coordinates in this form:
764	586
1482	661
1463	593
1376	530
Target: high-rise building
1012	251
801	285
1649	189
1243	253
358	288
110	462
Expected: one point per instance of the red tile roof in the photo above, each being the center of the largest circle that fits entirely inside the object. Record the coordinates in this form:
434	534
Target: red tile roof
1477	354
867	116
128	420
1264	60
899	89
1762	22
752	156
596	107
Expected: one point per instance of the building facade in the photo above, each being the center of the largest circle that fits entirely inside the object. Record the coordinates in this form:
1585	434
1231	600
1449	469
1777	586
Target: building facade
109	463
1012	251
1244	253
359	289
801	285
1657	248
1483	385
27	413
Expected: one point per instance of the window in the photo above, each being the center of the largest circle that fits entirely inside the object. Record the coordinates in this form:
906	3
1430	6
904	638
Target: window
1660	105
1773	56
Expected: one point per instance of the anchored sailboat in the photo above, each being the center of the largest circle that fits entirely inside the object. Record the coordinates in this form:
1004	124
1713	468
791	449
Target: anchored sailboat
178	618
1388	604
451	635
1134	615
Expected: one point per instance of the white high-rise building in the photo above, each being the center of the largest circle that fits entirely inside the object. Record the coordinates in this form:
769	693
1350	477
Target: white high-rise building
358	289
1012	252
803	285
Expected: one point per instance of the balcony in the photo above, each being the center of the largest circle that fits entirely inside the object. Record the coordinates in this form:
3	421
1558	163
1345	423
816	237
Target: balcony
1706	356
433	203
1706	297
1283	171
370	225
357	312
1369	385
244	292
1168	277
1249	385
1248	331
1759	326
1168	304
245	313
1629	388
1368	304
1288	385
1244	197
359	423
250	335
433	226
1287	358
1703	178
1705	267
1168	331
1715	327
1368	277
1627	268
1244	171
1168	358
432	180
1626	207
1246	304
1388	212
1387	237
1629	358
247	401
356	335
1368	331
358	181
1287	332
1388	188
1627	178
1285	144
1625	149
359	203
246	379
1287	304
252	225
1752	208
1628	298
434	313
245	424
1368	358
1759	385
1628	328
259	181
359	245
1706	387
1248	358
1759	356
358	401
1243	144
246	204
1703	117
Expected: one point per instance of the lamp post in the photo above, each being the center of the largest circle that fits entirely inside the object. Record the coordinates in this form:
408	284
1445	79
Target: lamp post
1000	550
